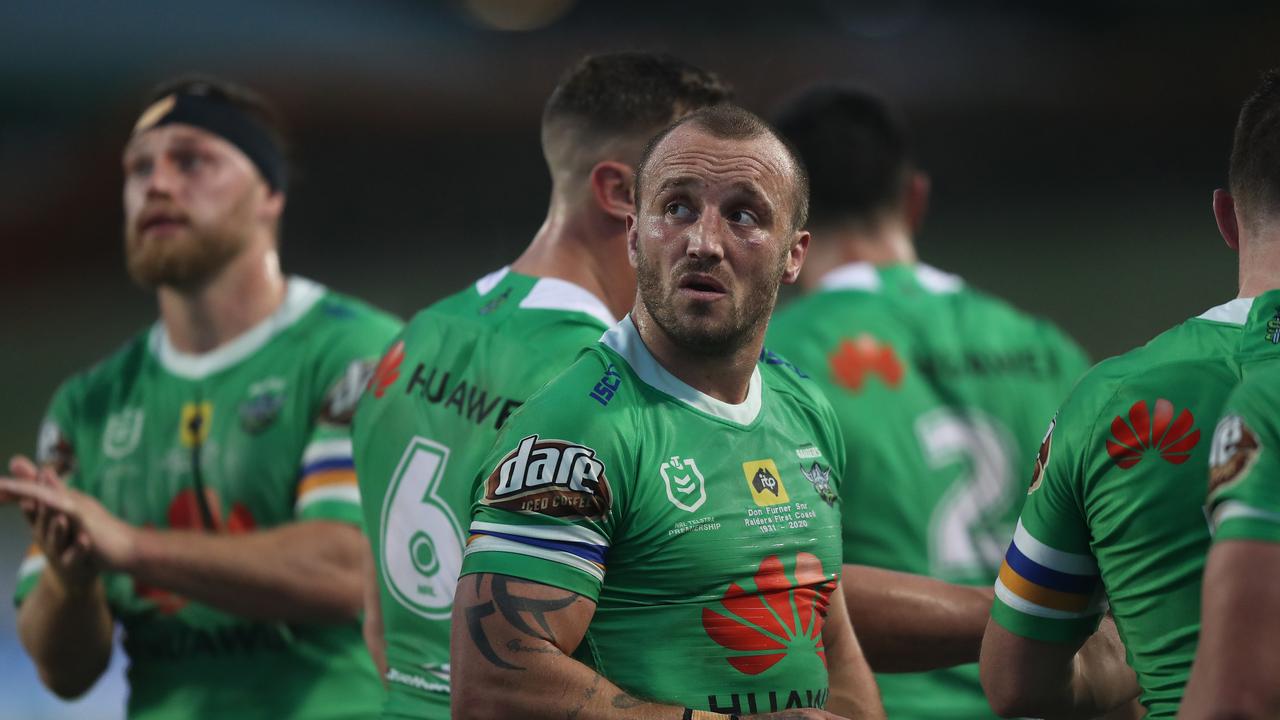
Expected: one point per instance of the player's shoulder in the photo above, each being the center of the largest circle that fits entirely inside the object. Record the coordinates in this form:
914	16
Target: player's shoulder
517	307
1178	370
111	375
781	375
336	314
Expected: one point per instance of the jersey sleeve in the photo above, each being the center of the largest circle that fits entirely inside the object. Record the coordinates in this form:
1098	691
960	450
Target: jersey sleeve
327	488
1244	469
550	495
56	449
1048	587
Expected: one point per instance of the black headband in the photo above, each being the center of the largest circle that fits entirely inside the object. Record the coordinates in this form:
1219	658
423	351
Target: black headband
225	120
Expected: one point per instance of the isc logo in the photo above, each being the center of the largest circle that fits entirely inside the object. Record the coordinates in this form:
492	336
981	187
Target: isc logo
552	477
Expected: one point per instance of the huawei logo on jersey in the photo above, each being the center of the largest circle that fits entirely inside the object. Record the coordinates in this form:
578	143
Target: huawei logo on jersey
185	514
854	360
388	370
763	625
1143	431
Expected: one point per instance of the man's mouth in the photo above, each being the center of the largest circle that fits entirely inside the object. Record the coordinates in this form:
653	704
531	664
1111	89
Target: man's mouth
160	221
701	286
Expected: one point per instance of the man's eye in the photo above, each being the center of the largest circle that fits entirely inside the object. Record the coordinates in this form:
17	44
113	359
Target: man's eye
678	210
188	162
743	217
138	168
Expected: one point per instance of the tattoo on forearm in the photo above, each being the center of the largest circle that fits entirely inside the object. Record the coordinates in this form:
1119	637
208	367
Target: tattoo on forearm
511	606
587	694
623	701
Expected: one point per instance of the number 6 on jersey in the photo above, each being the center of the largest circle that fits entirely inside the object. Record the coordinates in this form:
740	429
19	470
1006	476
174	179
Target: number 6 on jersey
421	539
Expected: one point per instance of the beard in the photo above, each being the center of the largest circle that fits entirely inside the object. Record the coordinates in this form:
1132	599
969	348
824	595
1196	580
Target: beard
697	329
183	260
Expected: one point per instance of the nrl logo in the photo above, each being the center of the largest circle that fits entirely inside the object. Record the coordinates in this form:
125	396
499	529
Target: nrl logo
820	478
686	489
122	433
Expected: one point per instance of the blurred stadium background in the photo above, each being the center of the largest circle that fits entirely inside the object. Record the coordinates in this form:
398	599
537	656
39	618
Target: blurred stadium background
1073	148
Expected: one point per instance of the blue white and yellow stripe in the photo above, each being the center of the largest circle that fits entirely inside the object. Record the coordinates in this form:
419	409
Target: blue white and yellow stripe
577	547
328	474
1038	580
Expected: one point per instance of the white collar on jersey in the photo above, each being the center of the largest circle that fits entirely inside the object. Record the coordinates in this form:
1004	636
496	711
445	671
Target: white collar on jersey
863	276
553	294
625	340
1235	312
300	296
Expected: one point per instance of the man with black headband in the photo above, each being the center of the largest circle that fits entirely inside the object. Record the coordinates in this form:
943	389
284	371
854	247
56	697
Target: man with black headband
197	486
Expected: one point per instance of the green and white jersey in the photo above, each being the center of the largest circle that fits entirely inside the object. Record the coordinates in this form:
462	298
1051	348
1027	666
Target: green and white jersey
708	534
942	394
250	436
1116	505
1244	474
429	418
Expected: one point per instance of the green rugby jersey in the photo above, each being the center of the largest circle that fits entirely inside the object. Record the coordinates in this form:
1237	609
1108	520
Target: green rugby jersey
1244	475
1116	505
942	394
250	436
707	533
431	414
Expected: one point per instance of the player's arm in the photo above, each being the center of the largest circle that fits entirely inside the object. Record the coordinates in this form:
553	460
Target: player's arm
306	571
854	692
1022	676
63	622
372	627
518	635
1237	671
912	623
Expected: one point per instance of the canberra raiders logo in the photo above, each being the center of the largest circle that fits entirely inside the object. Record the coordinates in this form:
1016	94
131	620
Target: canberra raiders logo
820	478
686	489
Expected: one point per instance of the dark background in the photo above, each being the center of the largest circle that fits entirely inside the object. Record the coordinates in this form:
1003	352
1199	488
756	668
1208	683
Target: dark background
1073	149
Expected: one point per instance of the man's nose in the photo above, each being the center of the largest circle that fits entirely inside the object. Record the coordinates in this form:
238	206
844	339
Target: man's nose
706	238
163	178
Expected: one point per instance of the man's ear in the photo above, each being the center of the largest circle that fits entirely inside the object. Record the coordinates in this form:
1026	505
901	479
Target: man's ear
611	184
1224	211
917	200
633	236
795	258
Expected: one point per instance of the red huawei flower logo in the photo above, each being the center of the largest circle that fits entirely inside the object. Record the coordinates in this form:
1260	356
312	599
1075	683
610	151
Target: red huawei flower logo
1144	431
854	360
185	514
388	370
764	624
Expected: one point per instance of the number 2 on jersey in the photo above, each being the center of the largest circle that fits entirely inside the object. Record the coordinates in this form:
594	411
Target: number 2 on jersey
421	541
967	536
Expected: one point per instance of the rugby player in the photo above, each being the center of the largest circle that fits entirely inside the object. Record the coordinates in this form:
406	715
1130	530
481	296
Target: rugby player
941	391
1237	672
196	487
1116	510
463	365
656	533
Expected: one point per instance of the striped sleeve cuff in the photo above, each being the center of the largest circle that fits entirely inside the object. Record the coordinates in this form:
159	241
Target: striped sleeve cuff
327	487
1234	520
28	573
1042	587
570	546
